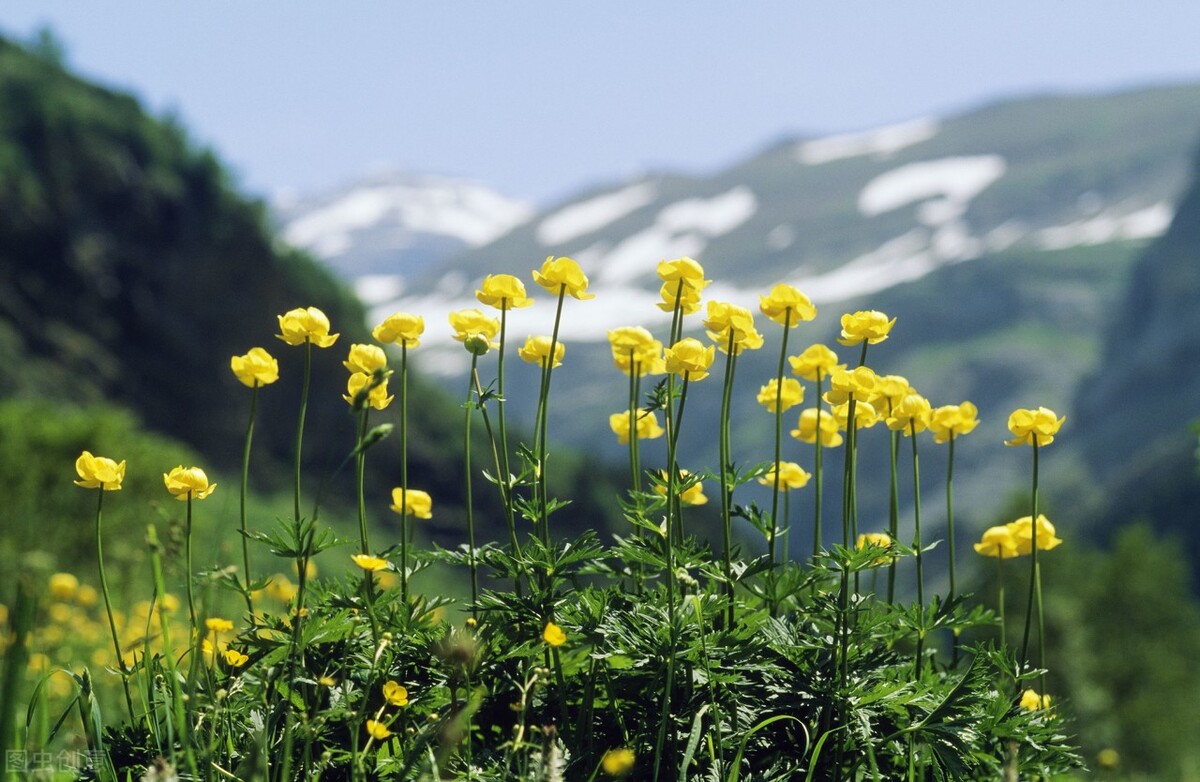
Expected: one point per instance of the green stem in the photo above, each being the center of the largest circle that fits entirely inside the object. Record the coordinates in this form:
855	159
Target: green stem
467	481
187	573
917	544
177	702
300	424
950	542
502	464
787	323
893	509
403	473
242	503
360	463
817	474
543	415
112	625
1034	580
726	466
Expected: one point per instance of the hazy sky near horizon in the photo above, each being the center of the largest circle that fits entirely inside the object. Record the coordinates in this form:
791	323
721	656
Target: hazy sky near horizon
541	99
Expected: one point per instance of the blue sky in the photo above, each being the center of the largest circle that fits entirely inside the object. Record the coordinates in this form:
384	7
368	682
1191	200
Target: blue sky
540	99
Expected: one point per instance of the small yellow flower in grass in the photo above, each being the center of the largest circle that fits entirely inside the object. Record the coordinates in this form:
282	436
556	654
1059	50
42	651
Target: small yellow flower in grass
377	730
871	326
791	395
218	625
910	415
997	542
787	306
563	275
1031	701
256	368
234	658
305	325
365	359
816	362
692	495
554	635
732	326
1033	427
400	328
689	358
99	472
368	562
1022	532
377	397
416	503
63	586
791	476
1108	758
187	482
646	426
327	681
881	539
949	421
807	429
537	349
635	349
618	762
503	291
395	693
475	330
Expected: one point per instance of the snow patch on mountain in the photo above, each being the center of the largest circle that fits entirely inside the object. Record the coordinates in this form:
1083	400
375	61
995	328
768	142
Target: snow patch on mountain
957	180
585	217
1108	226
879	142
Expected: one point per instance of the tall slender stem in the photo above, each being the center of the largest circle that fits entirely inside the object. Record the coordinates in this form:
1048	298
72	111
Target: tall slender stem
917	544
1034	581
360	465
818	476
726	467
242	502
470	500
787	324
403	473
187	573
112	625
543	415
300	424
893	509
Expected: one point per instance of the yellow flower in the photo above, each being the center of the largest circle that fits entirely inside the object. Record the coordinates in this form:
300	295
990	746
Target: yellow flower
305	325
950	421
687	299
234	658
728	323
395	693
689	359
870	325
997	542
865	415
617	762
368	562
537	349
191	482
475	330
365	359
377	397
692	495
846	383
218	625
503	291
416	503
63	586
684	270
791	476
560	275
910	415
787	306
791	395
1022	532
806	430
400	328
554	635
889	391
99	472
646	425
634	349
1033	427
1031	701
816	362
881	539
377	730
256	368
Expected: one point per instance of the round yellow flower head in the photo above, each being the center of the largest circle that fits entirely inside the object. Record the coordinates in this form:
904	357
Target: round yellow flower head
400	328
910	415
777	398
869	325
190	482
554	635
368	562
689	359
99	472
537	349
634	349
889	391
791	476
646	425
234	658
475	330
563	275
414	503
846	383
218	625
503	291
881	539
395	693
676	295
692	495
807	429
682	270
365	359
1108	758
256	368
950	421
865	415
1033	427
377	396
787	306
816	362
1022	532
997	542
63	586
618	762
732	327
1031	701
305	325
377	730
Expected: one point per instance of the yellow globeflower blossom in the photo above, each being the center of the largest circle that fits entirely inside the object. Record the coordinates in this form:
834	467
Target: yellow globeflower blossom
871	326
234	658
87	595
305	325
63	586
256	368
365	359
865	415
646	425
1031	701
685	270
997	542
687	299
536	350
618	762
475	330
416	503
377	397
368	562
395	693
950	421
816	362
559	275
889	391
910	415
1033	427
554	635
218	625
187	482
377	730
858	383
400	328
807	429
503	291
727	323
634	349
791	476
1022	532
692	495
99	472
792	394
787	306
689	359
881	539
